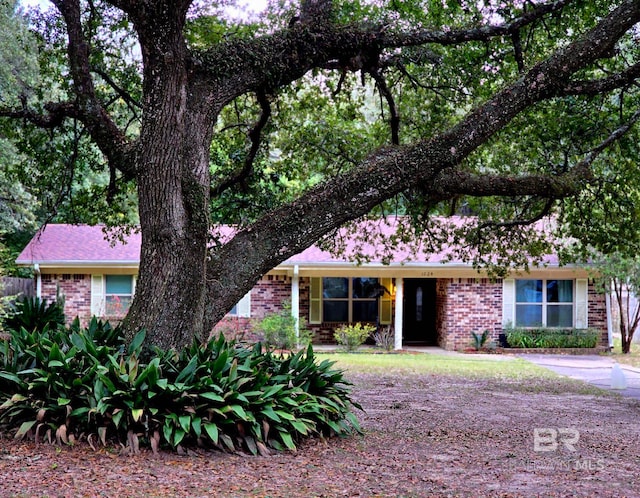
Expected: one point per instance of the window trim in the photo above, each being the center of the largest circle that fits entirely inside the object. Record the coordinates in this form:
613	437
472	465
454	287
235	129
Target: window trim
316	299
99	293
545	304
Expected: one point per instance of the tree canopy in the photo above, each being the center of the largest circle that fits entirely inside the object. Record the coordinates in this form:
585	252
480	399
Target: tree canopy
320	112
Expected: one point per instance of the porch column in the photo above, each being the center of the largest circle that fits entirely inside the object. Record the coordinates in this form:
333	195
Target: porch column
399	310
295	299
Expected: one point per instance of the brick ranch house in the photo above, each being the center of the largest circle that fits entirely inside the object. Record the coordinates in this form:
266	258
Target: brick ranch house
427	302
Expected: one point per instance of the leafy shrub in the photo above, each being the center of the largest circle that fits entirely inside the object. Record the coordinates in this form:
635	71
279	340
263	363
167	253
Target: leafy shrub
480	341
33	313
82	383
552	338
352	336
279	330
384	337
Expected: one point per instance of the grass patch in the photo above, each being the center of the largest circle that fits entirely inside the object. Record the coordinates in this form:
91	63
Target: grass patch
633	358
495	372
468	366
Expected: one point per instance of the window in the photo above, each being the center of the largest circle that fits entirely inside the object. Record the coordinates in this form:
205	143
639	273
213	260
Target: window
243	307
350	299
118	294
544	303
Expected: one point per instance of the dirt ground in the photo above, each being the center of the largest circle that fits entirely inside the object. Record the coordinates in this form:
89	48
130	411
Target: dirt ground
424	436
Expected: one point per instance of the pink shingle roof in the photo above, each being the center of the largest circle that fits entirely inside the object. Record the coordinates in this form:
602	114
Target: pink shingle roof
78	244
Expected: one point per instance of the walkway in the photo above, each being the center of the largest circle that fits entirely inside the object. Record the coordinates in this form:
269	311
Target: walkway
593	369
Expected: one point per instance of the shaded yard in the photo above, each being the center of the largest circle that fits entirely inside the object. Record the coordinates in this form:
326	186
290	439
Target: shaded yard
433	427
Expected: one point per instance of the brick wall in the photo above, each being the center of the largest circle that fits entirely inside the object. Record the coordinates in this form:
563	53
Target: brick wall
268	295
597	313
466	305
76	290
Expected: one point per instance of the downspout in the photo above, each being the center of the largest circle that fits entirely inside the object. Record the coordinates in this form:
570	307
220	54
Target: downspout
295	301
36	270
609	320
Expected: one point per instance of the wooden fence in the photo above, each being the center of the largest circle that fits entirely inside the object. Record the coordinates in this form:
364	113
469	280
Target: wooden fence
11	286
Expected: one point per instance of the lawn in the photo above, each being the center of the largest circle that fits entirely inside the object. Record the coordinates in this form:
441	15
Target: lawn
470	365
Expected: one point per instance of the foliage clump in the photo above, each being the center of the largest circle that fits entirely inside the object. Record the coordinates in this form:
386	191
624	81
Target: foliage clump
352	336
64	385
278	330
552	338
34	313
480	341
384	337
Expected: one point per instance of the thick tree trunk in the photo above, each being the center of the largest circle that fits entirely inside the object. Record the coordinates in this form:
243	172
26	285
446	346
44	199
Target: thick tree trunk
173	187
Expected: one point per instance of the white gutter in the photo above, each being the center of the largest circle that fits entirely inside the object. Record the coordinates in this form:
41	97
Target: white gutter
609	320
36	270
295	300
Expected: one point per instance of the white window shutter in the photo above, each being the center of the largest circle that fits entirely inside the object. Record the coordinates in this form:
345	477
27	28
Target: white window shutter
244	306
508	302
97	295
315	300
582	306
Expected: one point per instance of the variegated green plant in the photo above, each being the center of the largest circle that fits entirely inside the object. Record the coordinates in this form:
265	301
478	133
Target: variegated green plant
83	382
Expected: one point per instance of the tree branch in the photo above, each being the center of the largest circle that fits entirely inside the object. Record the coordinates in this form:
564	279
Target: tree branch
591	88
271	61
106	134
393	111
255	135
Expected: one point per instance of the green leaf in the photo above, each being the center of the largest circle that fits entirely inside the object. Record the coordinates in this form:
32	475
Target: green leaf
63	401
270	413
251	445
228	442
212	432
212	396
287	440
10	376
285	415
16	398
167	431
273	390
185	422
136	343
196	425
301	427
187	372
24	428
136	414
55	363
178	436
117	417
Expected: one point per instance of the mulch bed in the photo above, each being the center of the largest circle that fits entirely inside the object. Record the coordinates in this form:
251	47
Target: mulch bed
424	436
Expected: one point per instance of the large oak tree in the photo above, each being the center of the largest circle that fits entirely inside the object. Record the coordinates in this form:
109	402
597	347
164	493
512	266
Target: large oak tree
483	78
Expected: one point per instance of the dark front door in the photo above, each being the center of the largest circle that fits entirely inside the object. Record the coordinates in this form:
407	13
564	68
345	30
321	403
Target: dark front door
419	315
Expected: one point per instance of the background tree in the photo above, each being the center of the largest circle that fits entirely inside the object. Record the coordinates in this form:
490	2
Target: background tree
619	276
503	110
